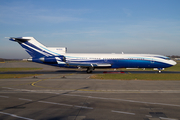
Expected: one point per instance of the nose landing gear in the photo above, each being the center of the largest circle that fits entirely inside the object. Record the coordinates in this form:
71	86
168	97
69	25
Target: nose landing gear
160	70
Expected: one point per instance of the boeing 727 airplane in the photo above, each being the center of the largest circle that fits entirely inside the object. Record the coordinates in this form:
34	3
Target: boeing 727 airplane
57	56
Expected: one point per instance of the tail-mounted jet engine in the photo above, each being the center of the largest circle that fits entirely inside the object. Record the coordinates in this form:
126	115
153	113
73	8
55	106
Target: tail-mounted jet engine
52	59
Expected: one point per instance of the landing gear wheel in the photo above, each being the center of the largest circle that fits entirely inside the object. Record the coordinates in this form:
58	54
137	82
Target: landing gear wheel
89	70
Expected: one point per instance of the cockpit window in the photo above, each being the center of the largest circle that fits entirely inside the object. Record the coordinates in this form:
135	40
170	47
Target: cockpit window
167	58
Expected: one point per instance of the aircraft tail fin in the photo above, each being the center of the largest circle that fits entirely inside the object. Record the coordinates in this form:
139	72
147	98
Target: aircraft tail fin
33	47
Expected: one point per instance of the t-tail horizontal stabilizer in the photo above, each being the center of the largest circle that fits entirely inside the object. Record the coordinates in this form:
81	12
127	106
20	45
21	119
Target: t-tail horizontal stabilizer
19	40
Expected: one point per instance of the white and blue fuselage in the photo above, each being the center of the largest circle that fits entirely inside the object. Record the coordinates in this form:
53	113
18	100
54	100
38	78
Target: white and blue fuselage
59	57
123	60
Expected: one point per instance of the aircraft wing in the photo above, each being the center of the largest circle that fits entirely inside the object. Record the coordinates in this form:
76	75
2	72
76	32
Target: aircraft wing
80	64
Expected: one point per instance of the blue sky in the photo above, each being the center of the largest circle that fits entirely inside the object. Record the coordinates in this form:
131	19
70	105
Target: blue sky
92	26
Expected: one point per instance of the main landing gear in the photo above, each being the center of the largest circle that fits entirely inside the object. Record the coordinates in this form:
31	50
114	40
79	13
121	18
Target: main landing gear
89	70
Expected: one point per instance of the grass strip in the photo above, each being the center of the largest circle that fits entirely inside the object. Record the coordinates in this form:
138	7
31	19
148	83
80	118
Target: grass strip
173	68
137	76
18	69
8	76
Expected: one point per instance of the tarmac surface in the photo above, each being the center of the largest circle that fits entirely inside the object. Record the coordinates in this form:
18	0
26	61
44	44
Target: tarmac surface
62	94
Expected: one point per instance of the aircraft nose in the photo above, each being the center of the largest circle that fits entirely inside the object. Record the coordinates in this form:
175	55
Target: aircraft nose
173	62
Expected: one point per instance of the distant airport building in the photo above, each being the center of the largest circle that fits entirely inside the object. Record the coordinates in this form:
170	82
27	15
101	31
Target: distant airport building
177	58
